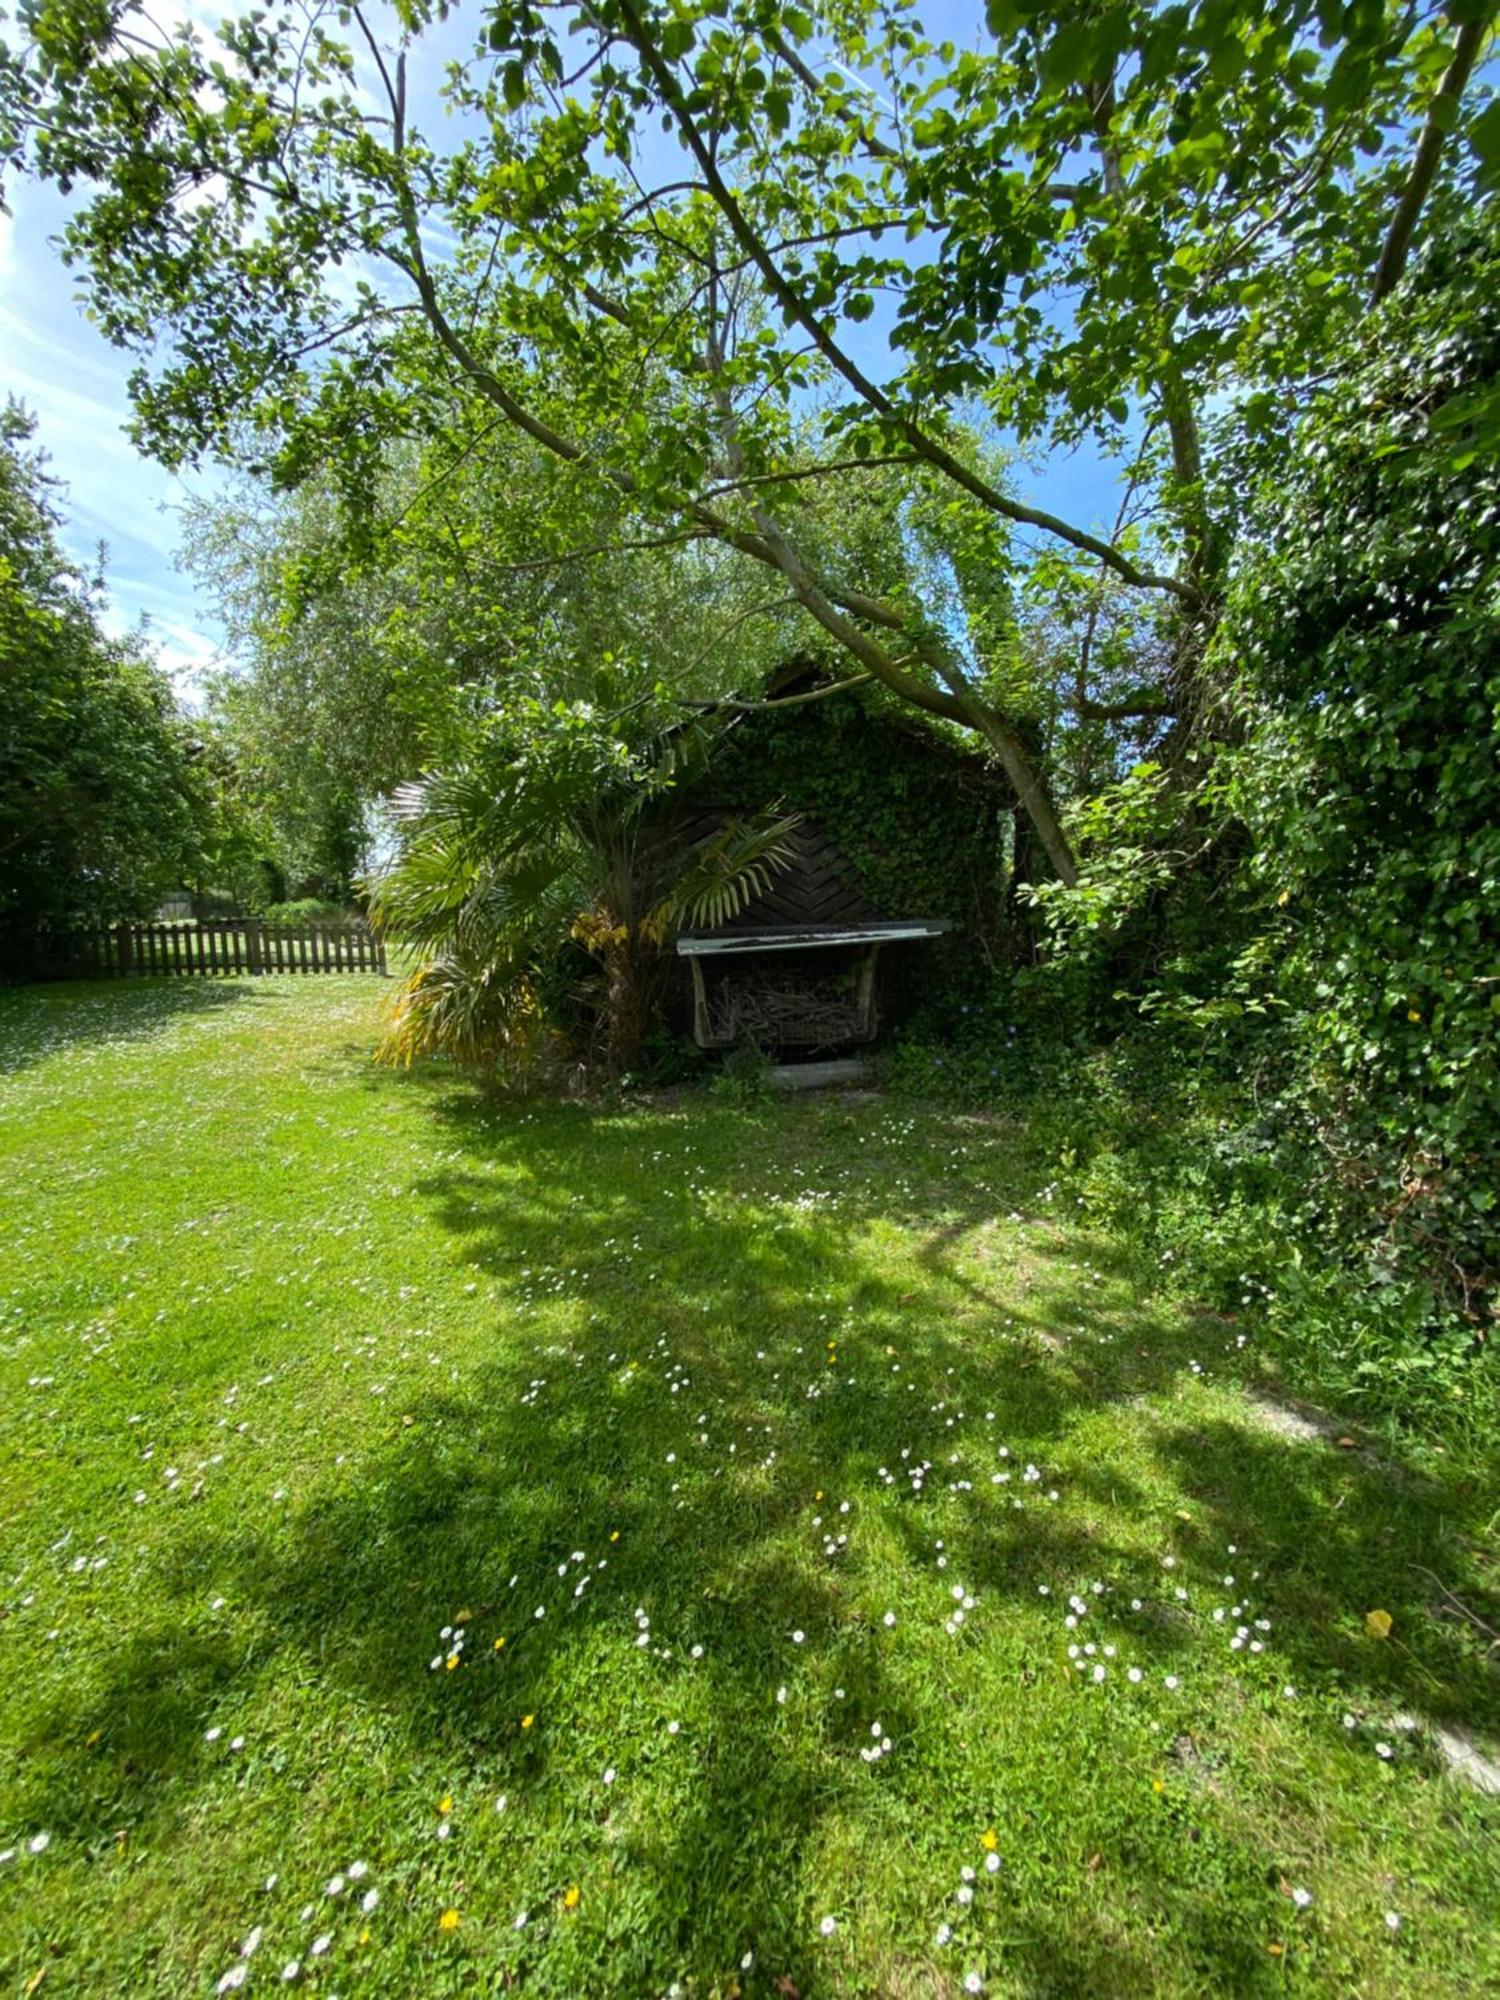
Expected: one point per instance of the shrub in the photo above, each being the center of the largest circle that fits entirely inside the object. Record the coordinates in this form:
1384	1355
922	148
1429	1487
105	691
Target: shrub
308	910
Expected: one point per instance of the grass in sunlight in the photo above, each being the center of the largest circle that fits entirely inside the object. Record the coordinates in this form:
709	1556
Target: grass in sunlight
671	1546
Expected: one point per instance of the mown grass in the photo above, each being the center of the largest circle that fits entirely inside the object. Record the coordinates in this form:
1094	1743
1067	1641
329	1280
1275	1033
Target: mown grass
302	1362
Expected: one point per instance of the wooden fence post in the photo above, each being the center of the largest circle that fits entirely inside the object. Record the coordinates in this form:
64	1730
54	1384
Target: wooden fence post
254	933
125	944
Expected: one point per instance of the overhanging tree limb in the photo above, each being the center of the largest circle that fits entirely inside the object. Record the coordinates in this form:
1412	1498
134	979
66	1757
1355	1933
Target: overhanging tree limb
785	295
962	703
1442	115
782	701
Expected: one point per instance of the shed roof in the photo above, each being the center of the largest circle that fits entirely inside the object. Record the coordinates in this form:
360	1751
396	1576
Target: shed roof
730	943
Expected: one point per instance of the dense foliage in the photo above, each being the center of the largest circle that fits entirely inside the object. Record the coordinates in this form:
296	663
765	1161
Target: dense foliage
923	820
106	795
1268	1037
1141	225
1367	638
539	880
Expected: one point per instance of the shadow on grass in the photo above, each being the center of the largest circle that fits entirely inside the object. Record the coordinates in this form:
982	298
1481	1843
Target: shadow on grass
45	1020
644	1238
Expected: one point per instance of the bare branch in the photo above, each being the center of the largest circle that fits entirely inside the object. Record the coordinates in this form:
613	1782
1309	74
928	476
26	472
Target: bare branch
610	548
804	472
742	618
1123	711
783	701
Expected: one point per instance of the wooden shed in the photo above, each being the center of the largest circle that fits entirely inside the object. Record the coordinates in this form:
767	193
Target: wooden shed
837	945
797	968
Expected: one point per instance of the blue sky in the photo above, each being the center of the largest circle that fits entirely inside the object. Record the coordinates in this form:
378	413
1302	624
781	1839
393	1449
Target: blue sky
71	378
73	381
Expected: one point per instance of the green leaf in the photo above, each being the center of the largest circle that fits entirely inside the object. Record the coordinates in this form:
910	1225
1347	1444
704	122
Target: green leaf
1484	139
676	38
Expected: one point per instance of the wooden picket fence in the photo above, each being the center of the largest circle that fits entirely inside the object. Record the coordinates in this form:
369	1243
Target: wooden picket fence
227	944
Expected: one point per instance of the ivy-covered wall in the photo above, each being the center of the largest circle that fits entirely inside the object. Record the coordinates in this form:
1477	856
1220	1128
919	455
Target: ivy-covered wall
920	819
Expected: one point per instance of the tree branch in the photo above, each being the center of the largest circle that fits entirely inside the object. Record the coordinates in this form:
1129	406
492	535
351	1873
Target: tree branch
784	701
809	78
610	548
1442	115
787	298
1122	711
723	486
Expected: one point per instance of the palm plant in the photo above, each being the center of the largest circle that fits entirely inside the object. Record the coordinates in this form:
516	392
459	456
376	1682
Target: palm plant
537	854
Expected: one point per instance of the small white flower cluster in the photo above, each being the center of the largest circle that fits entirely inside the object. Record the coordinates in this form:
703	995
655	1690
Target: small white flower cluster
963	1603
452	1638
1092	1658
833	1545
881	1747
963	1896
337	1885
37	1844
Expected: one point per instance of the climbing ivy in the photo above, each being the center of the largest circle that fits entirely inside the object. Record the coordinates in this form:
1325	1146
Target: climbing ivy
920	819
1366	644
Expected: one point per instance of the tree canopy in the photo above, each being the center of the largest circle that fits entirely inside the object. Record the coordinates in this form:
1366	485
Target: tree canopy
712	259
107	794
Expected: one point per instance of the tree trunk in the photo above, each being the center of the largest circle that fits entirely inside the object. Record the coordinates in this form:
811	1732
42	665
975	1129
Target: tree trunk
632	987
1019	765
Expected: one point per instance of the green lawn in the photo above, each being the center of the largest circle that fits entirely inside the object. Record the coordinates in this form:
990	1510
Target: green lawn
773	1444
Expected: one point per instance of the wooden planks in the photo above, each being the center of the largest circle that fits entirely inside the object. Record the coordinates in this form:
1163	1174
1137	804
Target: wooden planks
820	886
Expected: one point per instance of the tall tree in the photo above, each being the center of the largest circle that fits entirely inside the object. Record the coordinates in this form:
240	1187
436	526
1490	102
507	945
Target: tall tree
376	643
103	804
1108	222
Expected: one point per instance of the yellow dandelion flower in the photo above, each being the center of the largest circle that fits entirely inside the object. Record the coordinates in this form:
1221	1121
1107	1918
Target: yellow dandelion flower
448	1921
570	1898
452	1661
1412	1014
614	1534
446	1805
527	1720
498	1644
991	1840
819	1494
1378	1624
463	1617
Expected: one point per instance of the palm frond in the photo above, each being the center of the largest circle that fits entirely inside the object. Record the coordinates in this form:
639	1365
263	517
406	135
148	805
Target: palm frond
725	872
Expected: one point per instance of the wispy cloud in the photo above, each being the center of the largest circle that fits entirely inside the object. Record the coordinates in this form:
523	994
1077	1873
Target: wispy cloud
74	383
